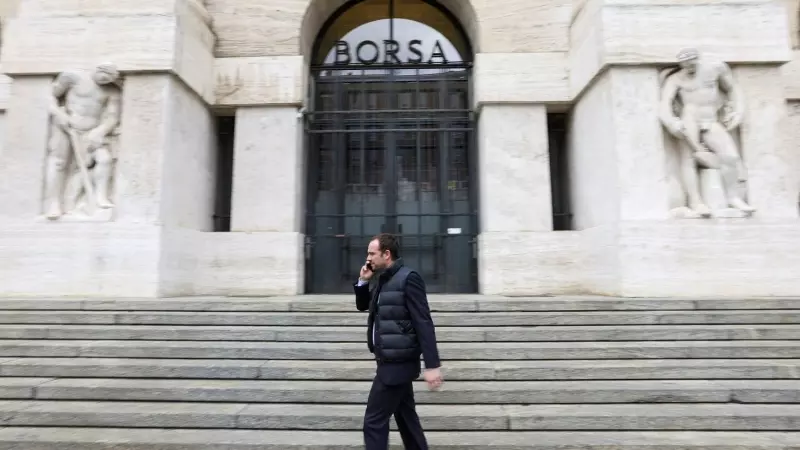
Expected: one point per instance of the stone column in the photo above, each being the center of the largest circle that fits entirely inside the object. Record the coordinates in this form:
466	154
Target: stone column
267	173
617	159
266	240
514	169
515	200
26	121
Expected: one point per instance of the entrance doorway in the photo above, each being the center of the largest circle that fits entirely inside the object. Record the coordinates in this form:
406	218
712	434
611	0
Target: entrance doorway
390	145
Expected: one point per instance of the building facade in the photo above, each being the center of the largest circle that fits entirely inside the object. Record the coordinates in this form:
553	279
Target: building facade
531	147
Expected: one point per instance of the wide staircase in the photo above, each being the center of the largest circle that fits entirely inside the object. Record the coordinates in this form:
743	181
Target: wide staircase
293	373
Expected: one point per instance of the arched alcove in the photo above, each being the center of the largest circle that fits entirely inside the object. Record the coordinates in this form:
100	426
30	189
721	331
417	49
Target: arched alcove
321	12
389	134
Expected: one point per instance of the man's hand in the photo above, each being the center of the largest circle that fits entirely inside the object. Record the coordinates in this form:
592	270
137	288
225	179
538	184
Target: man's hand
61	119
95	139
732	120
434	378
365	274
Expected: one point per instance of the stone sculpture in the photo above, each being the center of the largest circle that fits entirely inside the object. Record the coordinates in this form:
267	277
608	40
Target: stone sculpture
85	112
701	106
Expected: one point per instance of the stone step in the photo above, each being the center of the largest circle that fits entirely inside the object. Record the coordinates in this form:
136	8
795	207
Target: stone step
43	438
520	370
344	303
652	417
454	392
443	333
455	319
358	350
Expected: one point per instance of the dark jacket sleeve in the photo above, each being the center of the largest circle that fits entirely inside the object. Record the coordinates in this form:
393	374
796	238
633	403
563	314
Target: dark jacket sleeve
362	296
417	302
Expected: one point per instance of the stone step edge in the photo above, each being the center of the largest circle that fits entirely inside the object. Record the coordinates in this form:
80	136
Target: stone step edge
159	439
597	417
358	370
334	334
355	392
466	303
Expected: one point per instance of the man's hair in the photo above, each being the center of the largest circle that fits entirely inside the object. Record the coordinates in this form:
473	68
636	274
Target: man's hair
389	242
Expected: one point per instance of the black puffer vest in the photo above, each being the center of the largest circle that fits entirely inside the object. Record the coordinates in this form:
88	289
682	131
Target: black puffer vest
395	337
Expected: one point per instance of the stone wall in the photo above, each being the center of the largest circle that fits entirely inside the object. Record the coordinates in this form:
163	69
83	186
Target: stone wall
597	58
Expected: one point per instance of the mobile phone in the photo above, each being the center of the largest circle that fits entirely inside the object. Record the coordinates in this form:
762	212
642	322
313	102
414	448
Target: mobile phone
369	267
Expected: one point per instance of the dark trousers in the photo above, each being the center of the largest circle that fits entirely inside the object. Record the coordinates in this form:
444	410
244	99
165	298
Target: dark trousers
384	401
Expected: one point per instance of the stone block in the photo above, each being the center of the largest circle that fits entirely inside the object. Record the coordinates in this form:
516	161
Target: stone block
78	259
172	36
771	160
78	414
609	32
9	8
253	28
268	159
514	169
791	77
272	80
23	150
20	387
5	91
615	164
130	368
523	26
529	263
521	78
647	417
250	264
693	258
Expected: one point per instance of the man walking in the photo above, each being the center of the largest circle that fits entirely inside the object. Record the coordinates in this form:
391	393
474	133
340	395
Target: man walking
399	329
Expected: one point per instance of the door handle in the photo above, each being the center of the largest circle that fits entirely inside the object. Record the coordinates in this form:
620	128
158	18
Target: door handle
309	242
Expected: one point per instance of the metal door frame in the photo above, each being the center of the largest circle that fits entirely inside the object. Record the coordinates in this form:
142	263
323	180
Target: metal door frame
390	128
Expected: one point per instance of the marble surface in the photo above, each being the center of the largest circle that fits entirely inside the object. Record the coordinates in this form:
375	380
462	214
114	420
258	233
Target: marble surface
267	80
23	155
514	169
608	32
773	162
5	90
521	78
172	36
267	173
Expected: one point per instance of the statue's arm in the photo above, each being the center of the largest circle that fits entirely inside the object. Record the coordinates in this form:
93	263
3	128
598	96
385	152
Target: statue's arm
61	85
112	114
665	112
729	85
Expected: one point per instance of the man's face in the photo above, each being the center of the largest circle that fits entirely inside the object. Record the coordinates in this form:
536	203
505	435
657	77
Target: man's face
689	65
379	260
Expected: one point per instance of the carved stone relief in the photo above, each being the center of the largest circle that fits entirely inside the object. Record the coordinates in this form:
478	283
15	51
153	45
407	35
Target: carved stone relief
701	107
85	113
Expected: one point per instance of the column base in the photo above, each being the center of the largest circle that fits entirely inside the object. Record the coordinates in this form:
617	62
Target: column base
708	258
137	260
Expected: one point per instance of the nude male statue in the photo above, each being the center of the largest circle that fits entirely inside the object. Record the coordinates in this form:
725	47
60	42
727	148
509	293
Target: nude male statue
85	109
703	132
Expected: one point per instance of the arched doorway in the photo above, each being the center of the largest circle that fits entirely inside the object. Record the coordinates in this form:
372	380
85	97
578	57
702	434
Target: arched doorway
390	144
